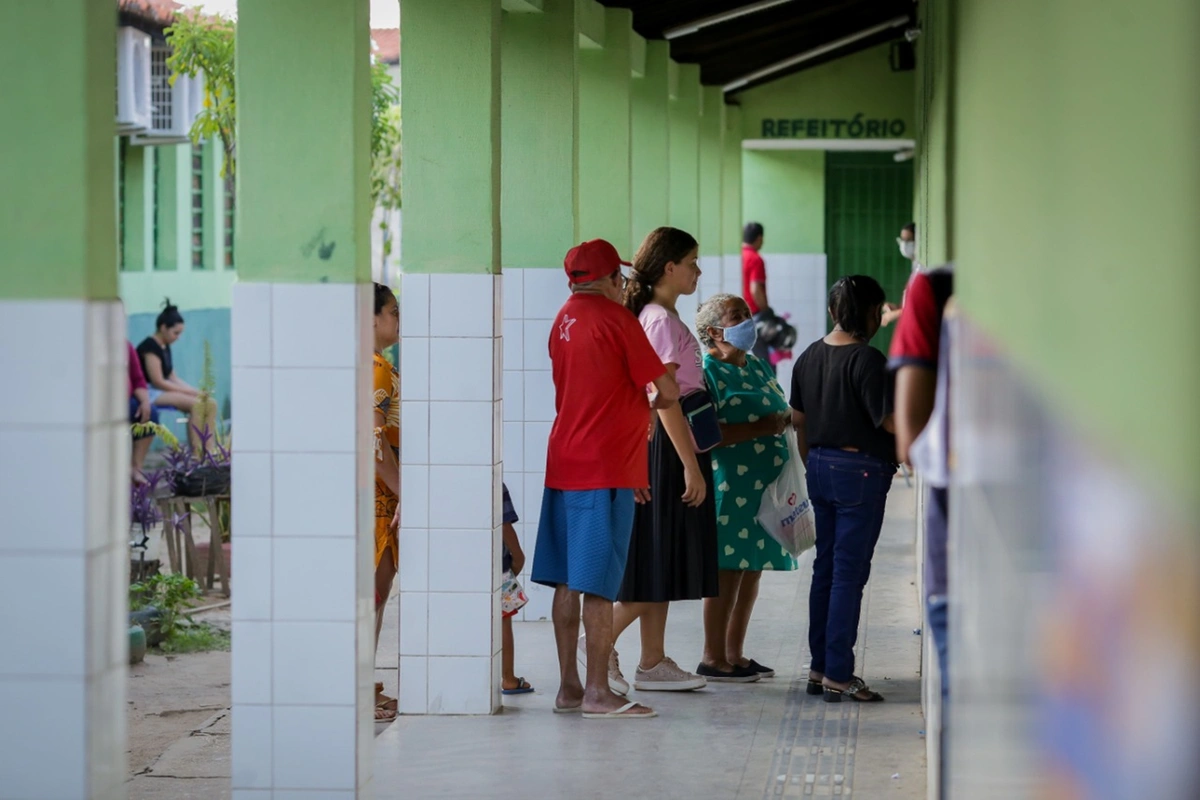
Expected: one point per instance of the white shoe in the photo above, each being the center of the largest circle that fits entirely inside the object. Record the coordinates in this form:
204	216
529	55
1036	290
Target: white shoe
667	676
616	681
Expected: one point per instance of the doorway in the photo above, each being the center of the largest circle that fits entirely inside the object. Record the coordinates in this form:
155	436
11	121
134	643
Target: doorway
868	199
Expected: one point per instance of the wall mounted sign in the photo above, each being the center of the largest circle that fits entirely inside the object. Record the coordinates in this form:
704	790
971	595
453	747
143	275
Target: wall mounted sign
857	127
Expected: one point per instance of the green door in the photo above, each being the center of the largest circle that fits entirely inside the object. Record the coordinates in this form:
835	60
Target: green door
868	199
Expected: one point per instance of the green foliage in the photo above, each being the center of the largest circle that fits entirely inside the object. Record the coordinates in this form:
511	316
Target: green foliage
385	139
140	429
196	638
170	594
204	45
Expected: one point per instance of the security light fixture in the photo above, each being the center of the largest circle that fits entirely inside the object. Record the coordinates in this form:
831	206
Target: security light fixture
717	19
816	52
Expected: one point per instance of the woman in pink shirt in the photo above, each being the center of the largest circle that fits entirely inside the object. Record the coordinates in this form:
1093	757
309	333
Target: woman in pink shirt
673	551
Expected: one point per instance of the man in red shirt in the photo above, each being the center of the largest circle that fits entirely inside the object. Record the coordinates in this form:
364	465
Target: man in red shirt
596	466
754	280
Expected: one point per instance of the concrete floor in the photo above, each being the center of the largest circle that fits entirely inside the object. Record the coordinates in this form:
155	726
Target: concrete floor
764	740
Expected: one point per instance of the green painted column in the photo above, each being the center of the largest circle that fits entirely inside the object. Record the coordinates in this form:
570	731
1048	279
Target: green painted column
712	130
452	119
166	207
303	140
57	215
139	208
539	96
605	78
651	142
731	182
214	208
64	479
685	151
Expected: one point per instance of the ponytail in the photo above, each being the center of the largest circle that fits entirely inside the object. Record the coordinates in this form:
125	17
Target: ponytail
850	299
169	317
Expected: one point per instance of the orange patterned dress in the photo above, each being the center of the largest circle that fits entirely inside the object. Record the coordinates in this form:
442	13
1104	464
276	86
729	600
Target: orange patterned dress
387	405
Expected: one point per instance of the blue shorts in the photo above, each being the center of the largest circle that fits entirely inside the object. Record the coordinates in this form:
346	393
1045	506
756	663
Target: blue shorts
583	540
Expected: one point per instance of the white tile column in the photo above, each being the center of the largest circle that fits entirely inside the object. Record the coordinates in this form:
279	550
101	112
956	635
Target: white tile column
450	506
532	297
64	549
303	488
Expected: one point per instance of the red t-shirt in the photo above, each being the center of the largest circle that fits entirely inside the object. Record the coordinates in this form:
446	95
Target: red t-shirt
601	363
754	270
918	332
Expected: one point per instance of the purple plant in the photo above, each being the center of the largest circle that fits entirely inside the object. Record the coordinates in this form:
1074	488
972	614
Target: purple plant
143	507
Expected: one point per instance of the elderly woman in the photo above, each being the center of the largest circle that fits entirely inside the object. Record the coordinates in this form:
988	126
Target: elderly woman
753	413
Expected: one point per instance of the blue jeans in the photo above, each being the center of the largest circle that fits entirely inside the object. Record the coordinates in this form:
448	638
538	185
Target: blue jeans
849	493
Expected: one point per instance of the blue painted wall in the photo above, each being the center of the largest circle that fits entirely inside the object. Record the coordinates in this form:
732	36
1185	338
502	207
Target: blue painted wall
201	325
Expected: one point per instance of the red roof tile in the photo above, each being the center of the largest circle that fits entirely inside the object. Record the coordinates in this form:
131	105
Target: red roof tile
161	12
385	44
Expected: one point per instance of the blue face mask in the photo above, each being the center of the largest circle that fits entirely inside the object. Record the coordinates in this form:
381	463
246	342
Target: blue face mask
742	336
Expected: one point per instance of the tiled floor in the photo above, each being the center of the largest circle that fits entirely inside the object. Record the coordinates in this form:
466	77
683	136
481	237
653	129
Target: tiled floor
764	740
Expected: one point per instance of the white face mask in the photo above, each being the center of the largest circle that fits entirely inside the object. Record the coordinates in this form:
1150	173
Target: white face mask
908	249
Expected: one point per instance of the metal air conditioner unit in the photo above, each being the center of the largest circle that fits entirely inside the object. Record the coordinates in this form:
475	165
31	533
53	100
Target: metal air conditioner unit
173	108
133	80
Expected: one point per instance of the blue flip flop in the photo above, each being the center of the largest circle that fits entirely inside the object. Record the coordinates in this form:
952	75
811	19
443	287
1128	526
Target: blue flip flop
523	687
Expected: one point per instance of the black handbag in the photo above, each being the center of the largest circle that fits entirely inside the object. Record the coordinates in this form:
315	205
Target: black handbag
701	414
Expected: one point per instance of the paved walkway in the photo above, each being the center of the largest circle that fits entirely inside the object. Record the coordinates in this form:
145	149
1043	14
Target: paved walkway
764	740
746	742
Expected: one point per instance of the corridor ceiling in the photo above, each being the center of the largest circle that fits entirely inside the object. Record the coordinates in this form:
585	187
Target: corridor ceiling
768	33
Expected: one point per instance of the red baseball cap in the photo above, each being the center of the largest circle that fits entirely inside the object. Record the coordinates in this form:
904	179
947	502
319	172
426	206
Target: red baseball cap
592	261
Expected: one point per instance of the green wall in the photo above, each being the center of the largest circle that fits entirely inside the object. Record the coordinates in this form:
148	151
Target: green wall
862	83
1075	214
785	191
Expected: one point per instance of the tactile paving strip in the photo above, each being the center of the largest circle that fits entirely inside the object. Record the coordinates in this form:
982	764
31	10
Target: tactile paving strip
814	750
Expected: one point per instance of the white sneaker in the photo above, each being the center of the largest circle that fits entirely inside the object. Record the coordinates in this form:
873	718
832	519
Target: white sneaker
667	676
616	681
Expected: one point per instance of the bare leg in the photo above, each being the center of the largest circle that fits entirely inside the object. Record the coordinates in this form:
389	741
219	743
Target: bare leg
717	611
385	573
623	616
140	448
654	632
508	675
739	618
598	624
566	637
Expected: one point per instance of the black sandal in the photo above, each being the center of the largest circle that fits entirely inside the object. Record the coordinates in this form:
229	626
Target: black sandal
814	687
851	692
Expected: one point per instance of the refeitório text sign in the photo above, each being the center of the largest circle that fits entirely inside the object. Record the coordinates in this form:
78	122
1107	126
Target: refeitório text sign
856	127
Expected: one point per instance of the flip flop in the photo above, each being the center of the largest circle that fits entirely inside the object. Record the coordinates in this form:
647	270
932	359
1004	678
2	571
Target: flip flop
568	710
389	714
620	713
523	687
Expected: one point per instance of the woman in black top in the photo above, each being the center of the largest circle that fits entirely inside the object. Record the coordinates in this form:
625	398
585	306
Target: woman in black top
841	407
167	389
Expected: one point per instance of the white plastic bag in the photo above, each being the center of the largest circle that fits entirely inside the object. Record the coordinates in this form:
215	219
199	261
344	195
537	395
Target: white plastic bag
786	513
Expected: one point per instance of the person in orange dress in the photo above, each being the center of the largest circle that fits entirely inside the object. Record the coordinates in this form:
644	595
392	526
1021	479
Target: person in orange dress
386	407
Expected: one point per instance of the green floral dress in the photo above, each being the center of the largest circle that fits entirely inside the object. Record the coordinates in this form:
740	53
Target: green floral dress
742	471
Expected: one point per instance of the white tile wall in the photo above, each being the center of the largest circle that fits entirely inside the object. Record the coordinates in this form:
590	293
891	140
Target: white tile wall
532	299
63	688
452	378
796	287
303	628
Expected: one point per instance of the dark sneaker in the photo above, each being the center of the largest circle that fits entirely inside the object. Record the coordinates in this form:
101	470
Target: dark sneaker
763	672
736	675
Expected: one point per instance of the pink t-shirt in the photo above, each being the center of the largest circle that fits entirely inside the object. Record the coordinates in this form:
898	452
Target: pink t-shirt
674	344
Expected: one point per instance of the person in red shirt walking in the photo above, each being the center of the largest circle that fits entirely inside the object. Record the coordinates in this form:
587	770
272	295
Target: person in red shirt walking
596	468
754	280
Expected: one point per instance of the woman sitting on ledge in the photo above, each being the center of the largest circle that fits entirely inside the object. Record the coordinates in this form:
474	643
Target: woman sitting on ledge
167	389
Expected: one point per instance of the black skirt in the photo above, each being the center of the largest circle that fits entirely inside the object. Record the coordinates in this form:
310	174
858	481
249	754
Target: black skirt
673	551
